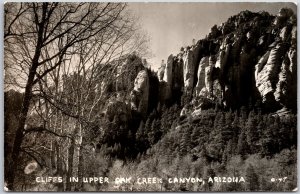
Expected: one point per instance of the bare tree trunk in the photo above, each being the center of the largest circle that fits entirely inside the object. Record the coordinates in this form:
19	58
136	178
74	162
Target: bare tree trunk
59	166
21	124
70	167
53	157
73	157
80	171
77	150
61	171
25	106
53	144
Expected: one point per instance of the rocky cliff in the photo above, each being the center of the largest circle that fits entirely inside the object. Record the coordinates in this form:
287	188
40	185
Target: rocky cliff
140	93
249	59
122	87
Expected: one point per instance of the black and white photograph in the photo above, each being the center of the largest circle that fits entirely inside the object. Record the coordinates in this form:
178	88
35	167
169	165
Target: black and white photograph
150	96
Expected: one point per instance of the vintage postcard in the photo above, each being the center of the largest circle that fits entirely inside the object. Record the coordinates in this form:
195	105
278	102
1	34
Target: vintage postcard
113	96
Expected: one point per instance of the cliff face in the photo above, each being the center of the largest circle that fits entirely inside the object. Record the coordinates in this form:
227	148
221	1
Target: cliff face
127	72
249	59
140	93
172	83
125	88
118	77
189	70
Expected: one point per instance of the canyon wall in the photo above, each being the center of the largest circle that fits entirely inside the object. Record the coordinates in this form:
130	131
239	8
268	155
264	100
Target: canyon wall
249	59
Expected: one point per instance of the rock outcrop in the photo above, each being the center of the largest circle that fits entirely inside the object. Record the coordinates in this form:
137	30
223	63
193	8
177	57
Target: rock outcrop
121	81
177	81
170	78
286	87
161	72
139	96
127	72
204	63
169	70
268	77
167	79
249	59
188	70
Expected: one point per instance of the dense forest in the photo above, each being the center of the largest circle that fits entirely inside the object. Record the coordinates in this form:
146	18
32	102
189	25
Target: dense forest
221	143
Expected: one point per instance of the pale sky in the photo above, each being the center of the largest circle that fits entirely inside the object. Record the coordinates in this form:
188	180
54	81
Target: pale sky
173	25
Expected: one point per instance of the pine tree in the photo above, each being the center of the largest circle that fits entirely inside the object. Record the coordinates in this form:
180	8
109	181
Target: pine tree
217	108
151	133
216	140
225	156
140	132
292	124
243	118
260	124
147	126
155	132
159	108
185	143
228	152
235	126
141	137
228	132
228	118
209	172
275	133
270	136
196	135
266	142
219	121
252	179
257	106
242	146
251	132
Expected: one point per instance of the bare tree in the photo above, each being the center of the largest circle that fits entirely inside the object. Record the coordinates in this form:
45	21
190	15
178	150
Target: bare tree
40	38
